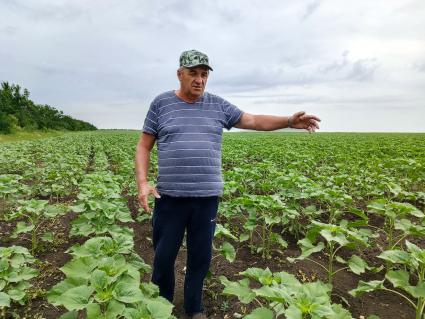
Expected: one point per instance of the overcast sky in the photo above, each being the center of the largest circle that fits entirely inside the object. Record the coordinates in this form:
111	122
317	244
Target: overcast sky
358	65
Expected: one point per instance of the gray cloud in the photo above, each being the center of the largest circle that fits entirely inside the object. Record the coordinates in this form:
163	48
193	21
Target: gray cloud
363	69
310	9
389	101
104	60
419	66
9	30
65	12
358	70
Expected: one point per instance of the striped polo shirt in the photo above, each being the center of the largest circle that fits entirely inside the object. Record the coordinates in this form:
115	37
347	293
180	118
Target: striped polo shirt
188	139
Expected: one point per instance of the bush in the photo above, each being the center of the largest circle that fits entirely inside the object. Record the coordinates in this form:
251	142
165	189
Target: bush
5	124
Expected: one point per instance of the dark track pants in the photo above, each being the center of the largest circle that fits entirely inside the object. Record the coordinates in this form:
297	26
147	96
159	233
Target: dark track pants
171	217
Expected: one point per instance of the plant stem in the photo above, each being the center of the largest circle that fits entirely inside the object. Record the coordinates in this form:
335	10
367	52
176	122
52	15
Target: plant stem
421	309
330	263
264	241
259	302
401	295
317	263
343	268
398	241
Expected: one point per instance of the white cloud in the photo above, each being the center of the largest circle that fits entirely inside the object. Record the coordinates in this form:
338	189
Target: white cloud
105	60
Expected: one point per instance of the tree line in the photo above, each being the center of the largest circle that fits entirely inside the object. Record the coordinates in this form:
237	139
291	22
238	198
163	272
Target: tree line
18	112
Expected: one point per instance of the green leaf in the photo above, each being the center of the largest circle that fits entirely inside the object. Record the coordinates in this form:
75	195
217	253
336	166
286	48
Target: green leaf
395	256
270	220
124	217
159	308
240	289
264	276
142	217
76	298
277	238
69	315
272	293
378	205
293	312
16	294
413	248
286	279
4	300
149	289
228	251
78	208
80	267
128	292
60	288
115	309
25	273
406	208
22	227
261	313
222	231
16	262
99	280
243	237
417	291
398	278
48	237
357	265
367	287
2	284
307	248
55	210
339	313
337	237
93	311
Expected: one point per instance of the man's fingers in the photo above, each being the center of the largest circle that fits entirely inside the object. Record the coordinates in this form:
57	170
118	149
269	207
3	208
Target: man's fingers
307	117
155	193
313	117
144	202
143	199
314	124
298	115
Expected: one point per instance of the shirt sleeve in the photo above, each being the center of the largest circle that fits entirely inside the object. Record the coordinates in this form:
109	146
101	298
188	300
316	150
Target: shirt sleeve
232	114
151	121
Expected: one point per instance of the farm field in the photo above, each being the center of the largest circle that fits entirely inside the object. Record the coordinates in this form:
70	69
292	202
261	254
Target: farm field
327	225
23	136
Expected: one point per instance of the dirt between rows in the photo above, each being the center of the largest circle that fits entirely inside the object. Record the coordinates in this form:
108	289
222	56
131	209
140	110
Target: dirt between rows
53	256
217	306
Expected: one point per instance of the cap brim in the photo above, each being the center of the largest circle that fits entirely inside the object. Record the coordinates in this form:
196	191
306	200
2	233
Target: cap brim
194	66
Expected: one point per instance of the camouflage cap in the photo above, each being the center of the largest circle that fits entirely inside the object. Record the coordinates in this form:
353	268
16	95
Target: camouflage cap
192	58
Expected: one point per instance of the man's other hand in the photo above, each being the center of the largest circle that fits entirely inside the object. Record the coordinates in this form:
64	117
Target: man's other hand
301	120
144	191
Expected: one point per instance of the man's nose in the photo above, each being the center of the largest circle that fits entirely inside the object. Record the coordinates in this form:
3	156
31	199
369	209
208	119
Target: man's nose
198	79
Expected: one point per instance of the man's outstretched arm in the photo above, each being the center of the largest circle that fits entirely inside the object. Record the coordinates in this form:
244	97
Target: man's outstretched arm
299	120
142	160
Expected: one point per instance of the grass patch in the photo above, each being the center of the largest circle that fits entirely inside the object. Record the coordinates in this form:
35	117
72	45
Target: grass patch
23	136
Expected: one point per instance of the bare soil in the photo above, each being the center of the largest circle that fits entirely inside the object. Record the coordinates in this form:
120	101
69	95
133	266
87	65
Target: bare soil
217	306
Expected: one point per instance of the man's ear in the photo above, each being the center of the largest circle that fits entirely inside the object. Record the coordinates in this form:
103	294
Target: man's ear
179	74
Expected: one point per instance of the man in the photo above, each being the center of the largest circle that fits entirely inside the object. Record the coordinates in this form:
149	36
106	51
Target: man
187	125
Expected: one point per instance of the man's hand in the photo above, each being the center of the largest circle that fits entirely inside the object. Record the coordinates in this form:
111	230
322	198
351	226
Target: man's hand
144	191
301	120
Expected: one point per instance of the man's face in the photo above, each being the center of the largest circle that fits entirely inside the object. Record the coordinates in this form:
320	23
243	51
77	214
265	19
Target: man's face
193	80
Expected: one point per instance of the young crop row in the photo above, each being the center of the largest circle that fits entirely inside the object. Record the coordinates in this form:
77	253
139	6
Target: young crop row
337	205
103	278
